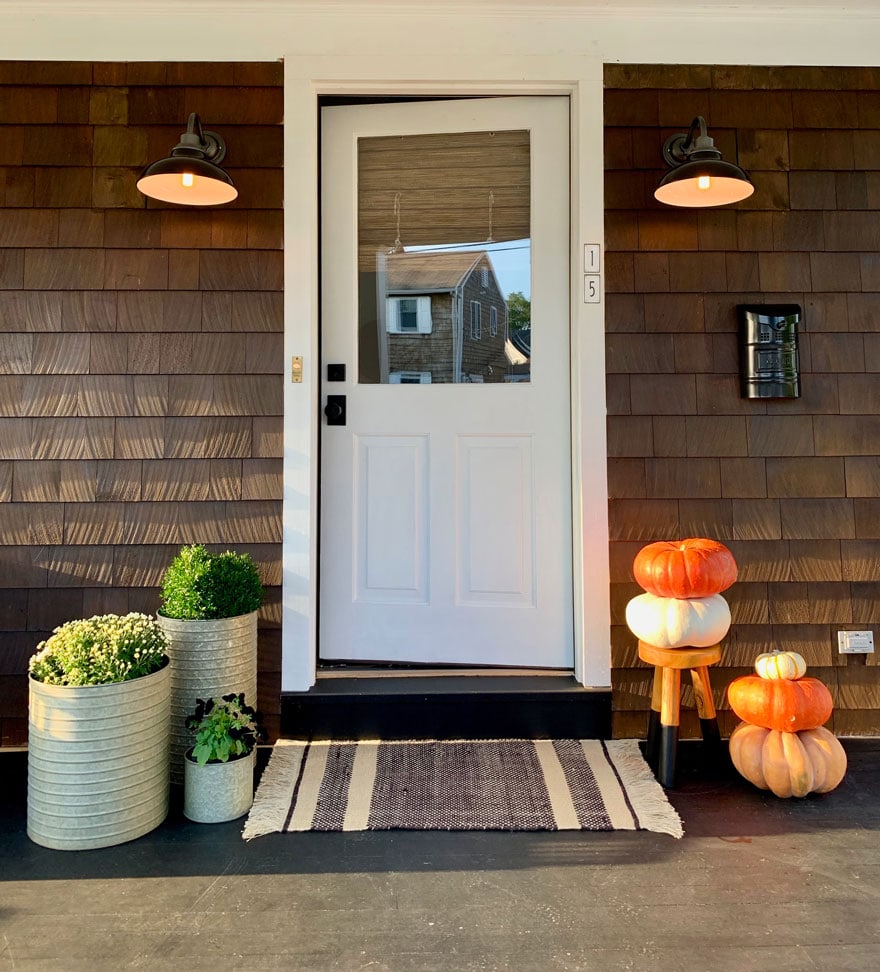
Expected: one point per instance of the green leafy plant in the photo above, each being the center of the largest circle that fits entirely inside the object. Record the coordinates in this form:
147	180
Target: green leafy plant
98	650
202	586
224	729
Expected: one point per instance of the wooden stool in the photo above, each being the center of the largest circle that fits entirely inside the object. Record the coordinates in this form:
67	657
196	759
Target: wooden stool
662	743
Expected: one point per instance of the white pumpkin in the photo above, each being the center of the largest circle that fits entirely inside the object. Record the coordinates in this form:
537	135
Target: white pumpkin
788	665
673	622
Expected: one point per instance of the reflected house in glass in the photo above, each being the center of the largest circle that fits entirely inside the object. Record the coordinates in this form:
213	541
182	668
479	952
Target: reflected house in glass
442	318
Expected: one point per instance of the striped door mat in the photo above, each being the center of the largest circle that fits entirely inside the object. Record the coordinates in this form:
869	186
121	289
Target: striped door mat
514	784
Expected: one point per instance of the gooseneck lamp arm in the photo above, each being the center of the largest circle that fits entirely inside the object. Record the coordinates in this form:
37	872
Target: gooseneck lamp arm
681	148
200	144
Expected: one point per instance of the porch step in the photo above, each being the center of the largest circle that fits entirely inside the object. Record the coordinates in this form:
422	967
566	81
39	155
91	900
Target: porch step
447	707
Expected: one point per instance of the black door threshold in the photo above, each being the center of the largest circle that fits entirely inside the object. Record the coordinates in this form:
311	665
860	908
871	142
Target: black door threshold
447	706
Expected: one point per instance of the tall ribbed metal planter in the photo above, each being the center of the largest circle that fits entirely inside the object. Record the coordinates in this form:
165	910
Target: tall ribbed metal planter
208	659
97	761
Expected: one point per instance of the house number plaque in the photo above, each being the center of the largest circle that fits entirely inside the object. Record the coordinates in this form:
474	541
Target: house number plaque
592	273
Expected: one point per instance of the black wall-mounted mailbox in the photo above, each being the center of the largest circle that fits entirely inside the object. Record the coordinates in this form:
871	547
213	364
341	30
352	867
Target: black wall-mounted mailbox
768	350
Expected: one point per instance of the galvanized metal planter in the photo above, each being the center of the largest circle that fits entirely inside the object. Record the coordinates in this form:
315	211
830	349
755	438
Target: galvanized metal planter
218	791
208	659
97	761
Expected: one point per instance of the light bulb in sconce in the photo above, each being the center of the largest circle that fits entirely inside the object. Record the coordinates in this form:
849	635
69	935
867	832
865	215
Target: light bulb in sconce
191	175
704	182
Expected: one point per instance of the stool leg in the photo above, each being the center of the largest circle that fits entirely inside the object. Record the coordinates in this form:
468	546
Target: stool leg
652	743
669	719
706	707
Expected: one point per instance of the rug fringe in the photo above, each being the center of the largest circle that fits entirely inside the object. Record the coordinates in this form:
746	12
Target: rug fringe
647	797
272	801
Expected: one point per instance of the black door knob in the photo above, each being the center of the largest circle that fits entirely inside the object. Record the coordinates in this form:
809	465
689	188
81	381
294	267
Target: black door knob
335	409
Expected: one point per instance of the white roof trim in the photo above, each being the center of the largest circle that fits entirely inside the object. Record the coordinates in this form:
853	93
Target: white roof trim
714	10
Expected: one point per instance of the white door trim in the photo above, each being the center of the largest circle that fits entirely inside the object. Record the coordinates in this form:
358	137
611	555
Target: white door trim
307	78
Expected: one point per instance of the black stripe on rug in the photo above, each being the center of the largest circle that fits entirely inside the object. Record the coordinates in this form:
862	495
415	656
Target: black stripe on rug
585	793
460	786
333	795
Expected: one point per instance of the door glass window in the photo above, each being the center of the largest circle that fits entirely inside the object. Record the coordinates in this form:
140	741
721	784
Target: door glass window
444	245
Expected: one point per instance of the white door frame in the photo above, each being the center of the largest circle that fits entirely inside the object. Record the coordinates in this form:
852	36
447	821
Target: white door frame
306	79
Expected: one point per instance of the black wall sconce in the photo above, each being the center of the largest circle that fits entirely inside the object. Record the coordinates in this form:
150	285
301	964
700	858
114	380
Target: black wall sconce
191	175
699	176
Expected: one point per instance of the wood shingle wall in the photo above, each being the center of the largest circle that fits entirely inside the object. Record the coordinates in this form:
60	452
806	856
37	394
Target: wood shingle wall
793	487
140	348
141	371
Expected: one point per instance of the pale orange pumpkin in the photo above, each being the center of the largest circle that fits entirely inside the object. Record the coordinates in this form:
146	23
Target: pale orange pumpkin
788	763
782	704
781	664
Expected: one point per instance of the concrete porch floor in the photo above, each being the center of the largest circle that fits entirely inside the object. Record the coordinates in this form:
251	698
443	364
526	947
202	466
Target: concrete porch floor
757	883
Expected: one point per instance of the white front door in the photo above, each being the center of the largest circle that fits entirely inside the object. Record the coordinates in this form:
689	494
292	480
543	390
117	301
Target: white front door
446	495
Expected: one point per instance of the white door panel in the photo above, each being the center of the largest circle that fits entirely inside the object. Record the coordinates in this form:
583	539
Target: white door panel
496	521
390	515
445	504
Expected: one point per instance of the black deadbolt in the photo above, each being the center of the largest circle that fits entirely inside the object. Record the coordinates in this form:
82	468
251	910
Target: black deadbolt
335	372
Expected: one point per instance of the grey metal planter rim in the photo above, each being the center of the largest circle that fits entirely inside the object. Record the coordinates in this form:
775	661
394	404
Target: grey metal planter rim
134	720
217	682
108	728
218	762
81	769
72	784
98	818
138	823
65	689
238	620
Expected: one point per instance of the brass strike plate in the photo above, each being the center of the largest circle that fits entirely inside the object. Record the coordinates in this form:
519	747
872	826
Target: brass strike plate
296	369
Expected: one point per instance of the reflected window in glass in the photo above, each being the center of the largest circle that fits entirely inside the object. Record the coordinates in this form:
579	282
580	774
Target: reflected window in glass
476	320
444	242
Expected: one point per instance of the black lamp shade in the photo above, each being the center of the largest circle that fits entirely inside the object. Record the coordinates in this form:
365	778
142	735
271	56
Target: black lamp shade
188	181
702	183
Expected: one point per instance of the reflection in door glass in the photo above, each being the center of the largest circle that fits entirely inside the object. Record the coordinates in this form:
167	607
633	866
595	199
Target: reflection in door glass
444	263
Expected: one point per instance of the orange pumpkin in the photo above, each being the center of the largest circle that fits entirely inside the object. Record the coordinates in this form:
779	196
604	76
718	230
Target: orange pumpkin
783	704
788	763
685	568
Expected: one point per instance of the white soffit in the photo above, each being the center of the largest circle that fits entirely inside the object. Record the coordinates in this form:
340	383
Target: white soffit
587	9
617	9
562	32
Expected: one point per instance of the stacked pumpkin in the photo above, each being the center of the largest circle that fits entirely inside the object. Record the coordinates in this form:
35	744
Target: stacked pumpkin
781	744
682	605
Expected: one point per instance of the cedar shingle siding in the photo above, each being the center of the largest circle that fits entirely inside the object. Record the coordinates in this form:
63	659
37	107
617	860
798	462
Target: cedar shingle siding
790	486
141	355
140	371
